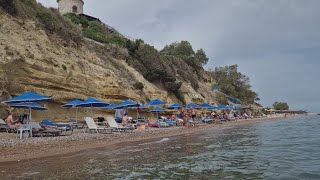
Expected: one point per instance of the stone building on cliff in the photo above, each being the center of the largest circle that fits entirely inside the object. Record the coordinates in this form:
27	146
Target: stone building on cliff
76	6
70	6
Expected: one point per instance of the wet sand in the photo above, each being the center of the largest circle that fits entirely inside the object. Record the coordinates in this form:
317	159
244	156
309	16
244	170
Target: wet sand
13	150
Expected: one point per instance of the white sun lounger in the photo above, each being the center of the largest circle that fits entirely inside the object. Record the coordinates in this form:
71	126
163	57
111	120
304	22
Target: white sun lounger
113	124
93	126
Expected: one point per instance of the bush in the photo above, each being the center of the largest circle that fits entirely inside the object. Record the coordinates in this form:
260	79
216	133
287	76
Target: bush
138	85
180	97
47	20
64	67
172	86
9	6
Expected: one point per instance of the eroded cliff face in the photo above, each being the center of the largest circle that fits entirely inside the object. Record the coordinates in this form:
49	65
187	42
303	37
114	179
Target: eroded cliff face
30	60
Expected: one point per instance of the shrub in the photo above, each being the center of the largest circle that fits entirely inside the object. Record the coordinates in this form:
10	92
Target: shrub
172	86
9	6
47	20
180	97
64	67
138	85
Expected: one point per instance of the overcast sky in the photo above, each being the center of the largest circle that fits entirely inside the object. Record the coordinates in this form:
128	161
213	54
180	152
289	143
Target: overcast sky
276	43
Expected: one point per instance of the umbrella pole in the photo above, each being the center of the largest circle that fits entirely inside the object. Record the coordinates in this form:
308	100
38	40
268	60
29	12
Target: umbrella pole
137	113
91	110
30	121
76	114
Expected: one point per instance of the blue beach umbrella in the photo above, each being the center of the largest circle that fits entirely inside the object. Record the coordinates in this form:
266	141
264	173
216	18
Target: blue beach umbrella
175	106
229	107
205	106
73	104
192	105
28	105
128	103
156	102
92	103
157	110
28	97
236	107
222	107
111	106
213	108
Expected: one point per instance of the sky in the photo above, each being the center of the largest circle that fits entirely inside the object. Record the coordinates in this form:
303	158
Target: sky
276	43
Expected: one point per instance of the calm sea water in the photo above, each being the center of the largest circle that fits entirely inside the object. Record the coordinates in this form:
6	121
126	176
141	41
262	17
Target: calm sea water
286	149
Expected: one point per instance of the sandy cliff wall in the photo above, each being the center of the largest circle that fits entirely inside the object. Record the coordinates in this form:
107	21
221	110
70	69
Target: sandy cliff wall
31	61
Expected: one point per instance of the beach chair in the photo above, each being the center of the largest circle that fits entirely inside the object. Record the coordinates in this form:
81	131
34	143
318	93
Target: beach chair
66	129
208	121
76	124
40	131
156	124
5	127
93	126
113	124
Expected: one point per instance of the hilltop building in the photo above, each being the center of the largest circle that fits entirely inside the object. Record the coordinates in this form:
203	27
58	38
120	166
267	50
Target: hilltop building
76	6
70	6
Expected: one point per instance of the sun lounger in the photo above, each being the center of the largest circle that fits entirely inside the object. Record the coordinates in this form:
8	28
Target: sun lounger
113	124
93	126
156	124
208	121
163	124
76	124
49	126
41	131
142	120
5	127
171	123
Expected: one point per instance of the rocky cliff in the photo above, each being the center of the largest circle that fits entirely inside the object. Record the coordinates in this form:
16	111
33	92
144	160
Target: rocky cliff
30	60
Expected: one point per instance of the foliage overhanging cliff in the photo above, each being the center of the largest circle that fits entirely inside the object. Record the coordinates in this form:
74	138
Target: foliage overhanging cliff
118	69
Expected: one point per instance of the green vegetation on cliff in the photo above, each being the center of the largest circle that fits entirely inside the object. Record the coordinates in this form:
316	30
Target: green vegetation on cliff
47	18
234	83
168	69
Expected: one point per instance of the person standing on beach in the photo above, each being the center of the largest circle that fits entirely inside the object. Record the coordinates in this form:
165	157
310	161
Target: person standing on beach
193	114
184	113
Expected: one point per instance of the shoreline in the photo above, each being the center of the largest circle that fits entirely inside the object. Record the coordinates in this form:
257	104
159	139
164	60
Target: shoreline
15	150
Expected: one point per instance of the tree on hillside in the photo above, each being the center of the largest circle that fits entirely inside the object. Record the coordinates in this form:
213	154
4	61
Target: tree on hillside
201	57
183	48
280	106
185	51
233	83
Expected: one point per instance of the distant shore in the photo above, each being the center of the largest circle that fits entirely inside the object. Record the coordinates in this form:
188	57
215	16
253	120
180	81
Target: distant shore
12	149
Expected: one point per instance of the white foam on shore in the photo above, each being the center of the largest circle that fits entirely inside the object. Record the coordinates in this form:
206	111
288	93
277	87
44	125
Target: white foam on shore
25	175
156	142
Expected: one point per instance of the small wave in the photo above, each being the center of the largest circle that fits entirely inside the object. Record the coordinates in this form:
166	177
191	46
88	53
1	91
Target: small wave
24	175
156	142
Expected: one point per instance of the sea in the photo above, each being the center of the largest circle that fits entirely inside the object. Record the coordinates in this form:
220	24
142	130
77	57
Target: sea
282	149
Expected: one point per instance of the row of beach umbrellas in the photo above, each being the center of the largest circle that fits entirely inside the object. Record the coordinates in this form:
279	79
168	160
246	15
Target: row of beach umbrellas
29	101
